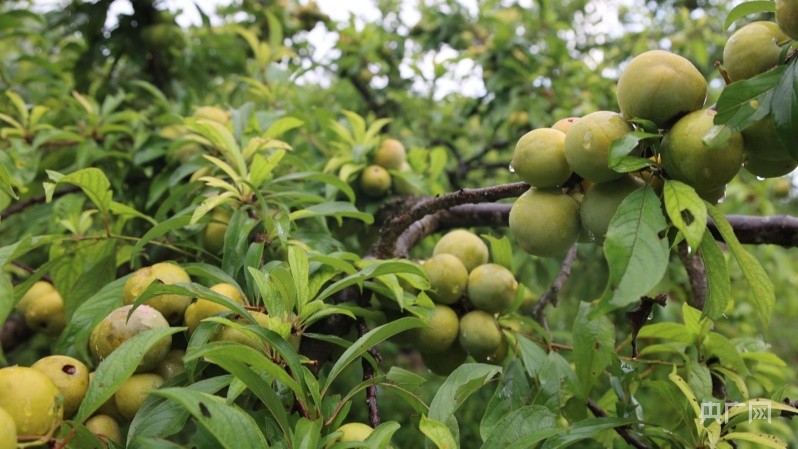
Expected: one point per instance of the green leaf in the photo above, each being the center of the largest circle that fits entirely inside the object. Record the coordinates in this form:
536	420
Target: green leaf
501	250
338	209
746	8
763	298
438	433
667	331
464	381
686	391
717	274
636	250
367	341
308	433
372	270
6	183
518	426
231	426
512	393
695	323
6	303
300	273
585	429
594	348
721	347
686	211
784	107
282	126
91	180
118	367
619	159
744	102
760	439
193	290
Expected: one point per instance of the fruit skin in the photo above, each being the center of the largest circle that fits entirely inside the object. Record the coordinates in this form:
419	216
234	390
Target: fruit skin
588	141
782	188
213	234
761	141
116	329
443	363
353	431
600	203
751	50
660	86
105	426
464	245
768	169
134	391
713	195
44	313
203	308
375	181
687	158
441	333
564	124
31	398
480	335
229	333
539	158
39	288
545	222
172	307
8	431
172	364
492	288
787	17
391	155
70	376
448	278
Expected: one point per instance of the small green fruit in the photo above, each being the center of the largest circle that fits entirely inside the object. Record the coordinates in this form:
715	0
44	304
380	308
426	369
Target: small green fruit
588	142
45	314
760	140
443	363
660	86
448	278
105	427
539	158
39	288
480	334
688	158
116	329
753	49
203	308
492	288
8	431
600	203
353	431
712	195
134	391
70	376
545	222
391	155
441	333
464	245
172	364
213	234
375	181
229	333
768	169
172	307
31	398
782	188
787	17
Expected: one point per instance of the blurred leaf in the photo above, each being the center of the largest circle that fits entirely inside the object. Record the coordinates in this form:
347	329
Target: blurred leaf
746	8
686	211
743	102
438	433
784	107
594	348
522	427
717	275
583	430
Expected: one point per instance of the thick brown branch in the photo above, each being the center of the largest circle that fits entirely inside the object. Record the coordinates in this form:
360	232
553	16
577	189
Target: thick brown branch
696	272
418	208
623	431
550	296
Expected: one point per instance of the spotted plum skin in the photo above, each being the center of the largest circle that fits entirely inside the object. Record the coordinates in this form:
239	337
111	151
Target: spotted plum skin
588	142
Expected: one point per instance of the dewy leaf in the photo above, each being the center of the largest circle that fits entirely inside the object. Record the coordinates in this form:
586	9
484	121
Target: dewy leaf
636	250
619	159
92	181
717	276
763	298
744	102
746	8
229	424
519	424
686	211
118	367
464	381
594	348
784	107
438	433
585	429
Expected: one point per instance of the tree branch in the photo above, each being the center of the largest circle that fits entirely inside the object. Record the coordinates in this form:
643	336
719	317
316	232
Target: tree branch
696	272
623	431
22	205
550	296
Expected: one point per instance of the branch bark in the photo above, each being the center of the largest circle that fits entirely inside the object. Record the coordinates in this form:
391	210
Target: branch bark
623	431
550	296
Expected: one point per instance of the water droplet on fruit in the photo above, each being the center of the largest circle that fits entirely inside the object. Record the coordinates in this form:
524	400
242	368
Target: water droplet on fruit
587	139
511	168
759	178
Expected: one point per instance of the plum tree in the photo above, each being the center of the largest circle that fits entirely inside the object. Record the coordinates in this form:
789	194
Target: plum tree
391	155
70	376
480	335
375	181
492	288
213	234
203	308
129	397
448	278
117	328
106	427
172	307
787	17
588	141
44	310
545	222
600	203
31	398
441	332
761	141
464	245
660	86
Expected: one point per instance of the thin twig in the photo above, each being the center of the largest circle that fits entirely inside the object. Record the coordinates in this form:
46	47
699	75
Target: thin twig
368	374
22	205
550	296
623	431
696	272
